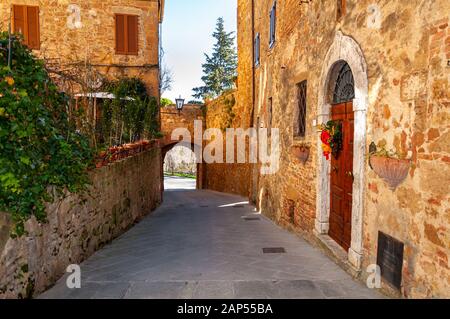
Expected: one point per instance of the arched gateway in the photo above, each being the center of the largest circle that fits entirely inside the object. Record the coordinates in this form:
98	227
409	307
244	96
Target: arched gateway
343	96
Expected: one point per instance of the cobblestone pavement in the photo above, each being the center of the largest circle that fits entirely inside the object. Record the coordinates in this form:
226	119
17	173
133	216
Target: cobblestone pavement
198	245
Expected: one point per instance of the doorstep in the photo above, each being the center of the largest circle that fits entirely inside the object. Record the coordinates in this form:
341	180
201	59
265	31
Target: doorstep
337	253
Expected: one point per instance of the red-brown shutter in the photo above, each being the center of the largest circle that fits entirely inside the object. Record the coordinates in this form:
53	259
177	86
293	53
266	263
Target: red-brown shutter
19	20
33	27
132	33
120	34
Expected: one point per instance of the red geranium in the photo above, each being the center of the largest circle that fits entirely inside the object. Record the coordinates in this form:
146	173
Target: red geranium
325	137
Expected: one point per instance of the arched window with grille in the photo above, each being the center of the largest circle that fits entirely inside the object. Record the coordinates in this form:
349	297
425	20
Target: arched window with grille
344	90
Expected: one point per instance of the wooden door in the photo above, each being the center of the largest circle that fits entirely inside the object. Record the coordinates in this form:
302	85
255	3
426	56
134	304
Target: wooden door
342	178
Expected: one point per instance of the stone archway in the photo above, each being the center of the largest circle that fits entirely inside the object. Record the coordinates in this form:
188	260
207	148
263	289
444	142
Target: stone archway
201	168
344	49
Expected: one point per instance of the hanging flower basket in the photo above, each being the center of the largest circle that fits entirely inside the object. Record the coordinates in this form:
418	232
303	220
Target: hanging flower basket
331	137
301	152
392	170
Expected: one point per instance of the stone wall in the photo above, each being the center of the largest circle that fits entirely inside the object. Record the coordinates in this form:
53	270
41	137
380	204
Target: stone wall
171	119
121	194
223	113
402	49
82	31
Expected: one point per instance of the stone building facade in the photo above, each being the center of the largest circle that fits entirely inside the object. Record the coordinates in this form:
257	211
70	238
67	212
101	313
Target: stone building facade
386	65
222	113
117	38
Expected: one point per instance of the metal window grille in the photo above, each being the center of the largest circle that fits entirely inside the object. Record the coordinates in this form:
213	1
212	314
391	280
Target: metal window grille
300	125
345	86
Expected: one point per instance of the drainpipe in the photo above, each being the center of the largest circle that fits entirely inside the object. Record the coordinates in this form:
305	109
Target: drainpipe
253	186
253	66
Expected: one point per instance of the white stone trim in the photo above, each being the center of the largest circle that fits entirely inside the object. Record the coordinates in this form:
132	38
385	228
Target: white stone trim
344	48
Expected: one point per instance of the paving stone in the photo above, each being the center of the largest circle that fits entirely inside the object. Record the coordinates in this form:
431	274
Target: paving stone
210	252
160	290
214	290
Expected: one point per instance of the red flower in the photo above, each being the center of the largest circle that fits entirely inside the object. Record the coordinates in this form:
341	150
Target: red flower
325	137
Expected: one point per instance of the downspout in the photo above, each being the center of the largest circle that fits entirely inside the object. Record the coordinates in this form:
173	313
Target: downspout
160	29
253	66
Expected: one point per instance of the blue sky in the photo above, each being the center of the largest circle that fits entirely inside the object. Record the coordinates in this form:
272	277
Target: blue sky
187	34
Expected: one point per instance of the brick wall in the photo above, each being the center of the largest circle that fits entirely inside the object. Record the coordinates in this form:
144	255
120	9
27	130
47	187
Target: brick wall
406	49
121	194
223	113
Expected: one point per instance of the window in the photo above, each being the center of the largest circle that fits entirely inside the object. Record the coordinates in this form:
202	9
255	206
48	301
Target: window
257	49
300	118
341	8
26	21
273	19
127	34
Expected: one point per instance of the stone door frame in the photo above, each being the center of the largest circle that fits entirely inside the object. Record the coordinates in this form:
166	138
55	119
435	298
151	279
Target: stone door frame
346	49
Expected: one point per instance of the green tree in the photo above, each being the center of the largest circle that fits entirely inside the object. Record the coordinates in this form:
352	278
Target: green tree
220	68
165	101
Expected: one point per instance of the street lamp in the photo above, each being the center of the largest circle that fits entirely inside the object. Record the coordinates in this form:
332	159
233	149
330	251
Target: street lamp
179	103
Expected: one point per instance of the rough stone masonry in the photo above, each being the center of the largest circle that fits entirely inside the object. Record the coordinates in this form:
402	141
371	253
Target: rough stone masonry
399	54
121	194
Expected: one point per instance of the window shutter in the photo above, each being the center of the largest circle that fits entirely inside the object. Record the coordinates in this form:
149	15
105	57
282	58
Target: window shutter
133	32
120	34
33	27
19	19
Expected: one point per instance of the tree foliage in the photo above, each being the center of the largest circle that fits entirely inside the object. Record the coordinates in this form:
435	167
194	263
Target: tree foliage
41	152
131	115
220	68
166	101
166	79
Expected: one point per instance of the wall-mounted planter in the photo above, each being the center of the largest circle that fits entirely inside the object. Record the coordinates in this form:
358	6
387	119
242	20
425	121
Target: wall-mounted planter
300	152
392	170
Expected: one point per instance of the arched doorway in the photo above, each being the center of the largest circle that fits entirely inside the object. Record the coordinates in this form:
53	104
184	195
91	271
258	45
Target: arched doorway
341	174
180	168
179	160
343	94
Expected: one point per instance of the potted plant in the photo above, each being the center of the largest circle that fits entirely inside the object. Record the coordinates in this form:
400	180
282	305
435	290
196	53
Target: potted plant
301	152
390	167
331	137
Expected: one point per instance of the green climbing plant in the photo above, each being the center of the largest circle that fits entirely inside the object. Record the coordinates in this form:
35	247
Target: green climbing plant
41	152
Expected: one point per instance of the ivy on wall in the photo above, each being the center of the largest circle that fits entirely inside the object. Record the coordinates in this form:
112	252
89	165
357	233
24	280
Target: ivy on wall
40	148
229	102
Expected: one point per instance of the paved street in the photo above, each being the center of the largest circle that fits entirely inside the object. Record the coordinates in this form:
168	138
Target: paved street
178	183
198	245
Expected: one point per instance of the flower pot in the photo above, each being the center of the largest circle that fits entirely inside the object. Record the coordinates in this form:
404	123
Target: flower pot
392	170
301	153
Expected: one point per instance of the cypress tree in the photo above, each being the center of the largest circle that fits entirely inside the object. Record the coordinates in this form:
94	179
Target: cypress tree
219	69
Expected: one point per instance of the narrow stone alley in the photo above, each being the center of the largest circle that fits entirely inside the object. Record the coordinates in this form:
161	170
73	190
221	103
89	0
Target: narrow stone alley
205	244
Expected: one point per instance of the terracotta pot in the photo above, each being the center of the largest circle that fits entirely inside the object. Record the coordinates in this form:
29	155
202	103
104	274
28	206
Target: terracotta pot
392	170
301	153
